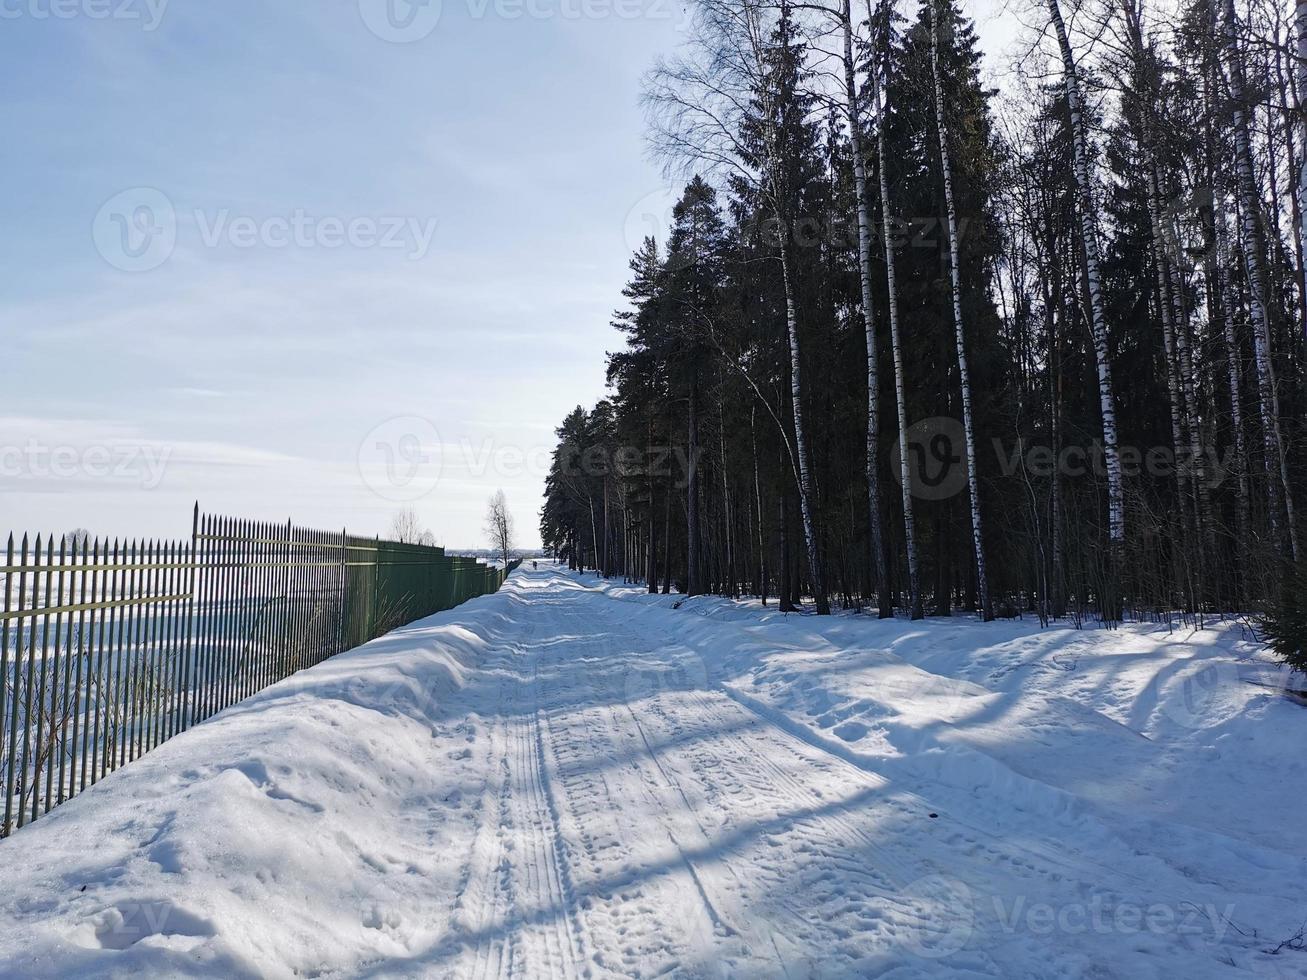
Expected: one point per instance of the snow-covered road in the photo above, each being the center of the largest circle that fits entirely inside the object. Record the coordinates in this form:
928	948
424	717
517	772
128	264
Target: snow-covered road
569	779
645	822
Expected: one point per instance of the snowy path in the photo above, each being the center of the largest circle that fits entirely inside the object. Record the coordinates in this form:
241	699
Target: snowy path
564	780
646	824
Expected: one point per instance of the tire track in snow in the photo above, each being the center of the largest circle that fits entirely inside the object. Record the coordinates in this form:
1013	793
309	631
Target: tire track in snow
633	896
735	768
519	895
675	834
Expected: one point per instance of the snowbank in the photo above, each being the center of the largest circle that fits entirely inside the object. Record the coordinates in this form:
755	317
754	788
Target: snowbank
574	777
304	829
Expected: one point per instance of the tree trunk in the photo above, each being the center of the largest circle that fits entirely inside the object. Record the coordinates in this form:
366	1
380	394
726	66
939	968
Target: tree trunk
807	502
973	484
1089	244
900	395
692	559
606	559
757	495
1300	76
877	535
1281	499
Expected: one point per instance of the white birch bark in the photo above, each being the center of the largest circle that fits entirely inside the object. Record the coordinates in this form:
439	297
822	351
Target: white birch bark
1233	371
1277	468
1191	477
973	485
895	329
806	504
751	21
1168	327
868	318
1089	242
1300	77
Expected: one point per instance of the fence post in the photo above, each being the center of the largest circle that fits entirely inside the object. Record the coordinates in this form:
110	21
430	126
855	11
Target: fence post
4	674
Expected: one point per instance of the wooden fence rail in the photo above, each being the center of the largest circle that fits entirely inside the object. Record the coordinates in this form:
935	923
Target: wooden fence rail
109	647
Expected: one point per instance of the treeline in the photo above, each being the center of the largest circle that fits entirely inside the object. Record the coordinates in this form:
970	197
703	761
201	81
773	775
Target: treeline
911	344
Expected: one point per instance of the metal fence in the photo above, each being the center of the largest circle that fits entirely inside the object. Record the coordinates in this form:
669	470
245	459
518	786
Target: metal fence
109	647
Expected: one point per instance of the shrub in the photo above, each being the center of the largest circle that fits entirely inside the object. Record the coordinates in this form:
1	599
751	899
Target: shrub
1284	626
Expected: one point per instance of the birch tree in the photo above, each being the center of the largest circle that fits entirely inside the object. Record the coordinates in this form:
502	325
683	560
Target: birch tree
964	374
888	223
1098	323
876	536
1277	468
499	526
702	109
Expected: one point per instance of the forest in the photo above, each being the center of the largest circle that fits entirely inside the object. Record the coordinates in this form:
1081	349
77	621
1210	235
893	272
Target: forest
915	342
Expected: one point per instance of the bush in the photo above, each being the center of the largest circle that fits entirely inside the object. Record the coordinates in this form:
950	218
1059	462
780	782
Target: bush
1284	627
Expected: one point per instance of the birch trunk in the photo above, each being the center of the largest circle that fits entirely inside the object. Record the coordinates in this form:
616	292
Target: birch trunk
757	501
1300	77
651	569
1089	245
900	395
982	577
1220	308
1170	283
1234	378
1191	476
806	501
1286	82
594	534
1277	476
1168	327
692	585
605	561
869	322
729	579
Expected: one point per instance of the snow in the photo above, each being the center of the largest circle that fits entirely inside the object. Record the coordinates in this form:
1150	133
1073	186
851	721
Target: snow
575	778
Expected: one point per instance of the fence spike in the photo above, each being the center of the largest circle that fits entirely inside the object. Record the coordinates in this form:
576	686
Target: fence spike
243	604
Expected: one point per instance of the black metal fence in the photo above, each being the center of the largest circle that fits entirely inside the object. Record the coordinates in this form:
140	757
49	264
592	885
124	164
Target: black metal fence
109	647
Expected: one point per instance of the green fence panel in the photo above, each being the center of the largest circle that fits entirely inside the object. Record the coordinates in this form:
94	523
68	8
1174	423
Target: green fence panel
110	647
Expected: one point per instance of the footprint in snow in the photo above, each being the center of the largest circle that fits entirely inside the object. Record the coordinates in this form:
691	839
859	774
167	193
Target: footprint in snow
851	731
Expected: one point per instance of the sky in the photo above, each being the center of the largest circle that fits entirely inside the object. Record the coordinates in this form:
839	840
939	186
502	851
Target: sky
320	261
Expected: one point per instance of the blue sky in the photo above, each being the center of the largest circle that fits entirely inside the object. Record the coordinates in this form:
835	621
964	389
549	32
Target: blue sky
321	260
372	274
